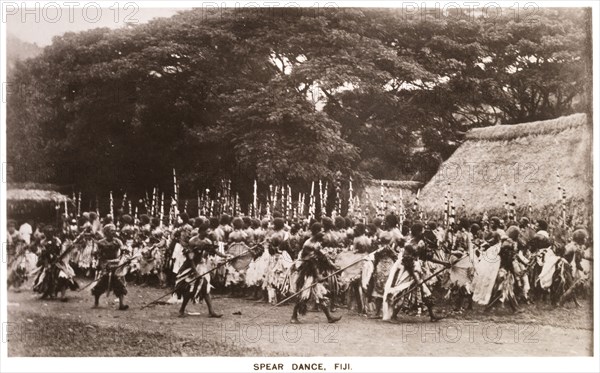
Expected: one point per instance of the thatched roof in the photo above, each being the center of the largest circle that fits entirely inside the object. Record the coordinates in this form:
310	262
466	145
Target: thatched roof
32	185
394	192
520	158
34	195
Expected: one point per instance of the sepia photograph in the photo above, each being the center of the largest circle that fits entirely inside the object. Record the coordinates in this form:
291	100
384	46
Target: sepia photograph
330	186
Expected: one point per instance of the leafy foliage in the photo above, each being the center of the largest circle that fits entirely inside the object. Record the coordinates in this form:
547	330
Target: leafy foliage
285	98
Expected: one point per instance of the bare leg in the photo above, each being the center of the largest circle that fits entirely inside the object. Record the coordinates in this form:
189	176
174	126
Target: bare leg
211	311
378	307
294	319
429	303
330	319
186	299
122	305
570	293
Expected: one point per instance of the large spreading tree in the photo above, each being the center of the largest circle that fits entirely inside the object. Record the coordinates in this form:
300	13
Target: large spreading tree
285	98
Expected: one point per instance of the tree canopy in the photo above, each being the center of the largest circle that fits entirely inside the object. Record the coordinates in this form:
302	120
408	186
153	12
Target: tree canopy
283	98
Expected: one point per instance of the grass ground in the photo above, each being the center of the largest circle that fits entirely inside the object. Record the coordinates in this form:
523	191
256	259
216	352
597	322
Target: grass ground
53	328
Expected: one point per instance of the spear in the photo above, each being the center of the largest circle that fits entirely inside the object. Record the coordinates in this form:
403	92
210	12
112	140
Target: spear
386	200
230	202
147	202
124	201
401	207
111	205
275	197
304	204
162	209
325	197
380	209
367	206
130	208
175	208
199	204
289	201
311	208
175	191
160	204
208	203
172	213
321	196
284	202
338	200
154	201
79	205
530	207
97	207
254	199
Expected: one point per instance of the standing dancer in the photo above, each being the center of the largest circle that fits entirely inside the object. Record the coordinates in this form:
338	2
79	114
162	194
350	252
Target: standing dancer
407	277
56	274
188	285
109	253
311	266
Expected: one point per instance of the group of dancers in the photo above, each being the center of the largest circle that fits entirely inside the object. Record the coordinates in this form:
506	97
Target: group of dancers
379	269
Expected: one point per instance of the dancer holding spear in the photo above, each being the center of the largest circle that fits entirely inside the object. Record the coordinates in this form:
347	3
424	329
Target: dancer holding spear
192	276
193	279
311	264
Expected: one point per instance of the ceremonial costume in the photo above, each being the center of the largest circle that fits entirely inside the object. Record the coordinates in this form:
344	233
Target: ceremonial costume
406	286
504	288
279	261
193	281
88	248
56	274
236	276
460	276
17	259
109	254
311	266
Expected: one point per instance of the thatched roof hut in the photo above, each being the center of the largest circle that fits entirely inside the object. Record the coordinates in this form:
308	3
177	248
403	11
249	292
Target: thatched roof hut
518	158
34	201
35	195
